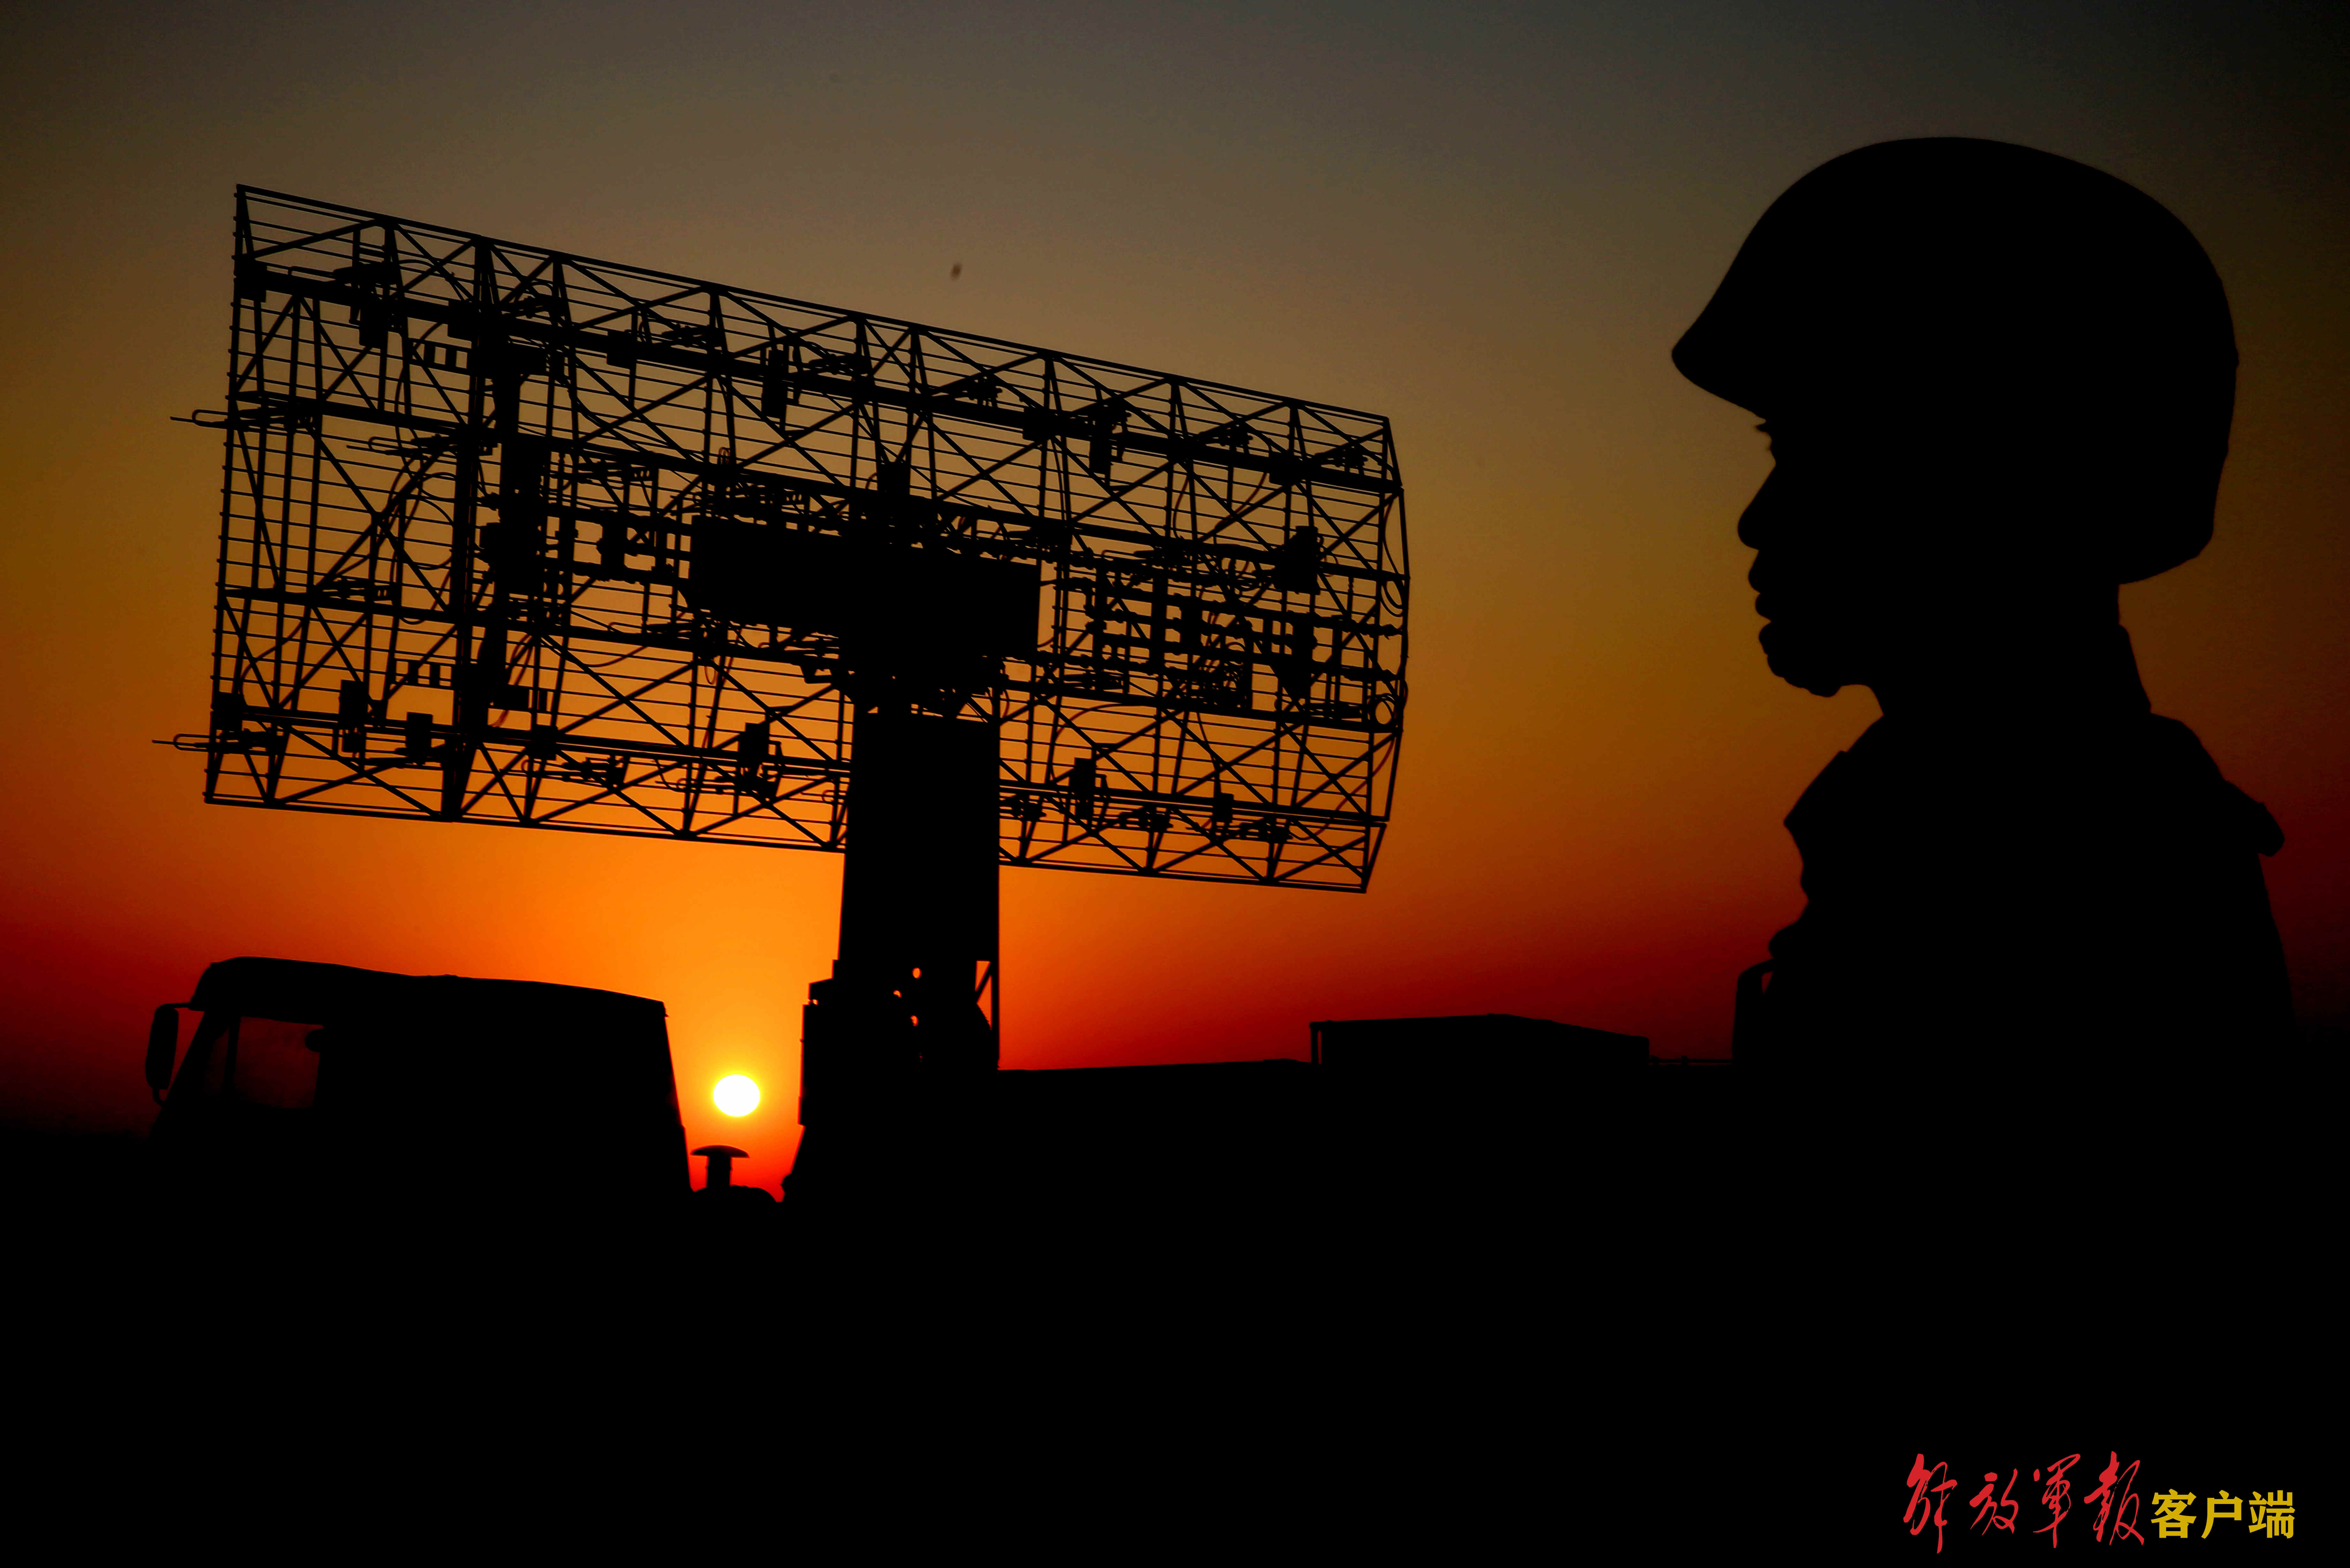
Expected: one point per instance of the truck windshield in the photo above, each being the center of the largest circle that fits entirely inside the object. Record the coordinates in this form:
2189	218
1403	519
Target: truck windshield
265	1062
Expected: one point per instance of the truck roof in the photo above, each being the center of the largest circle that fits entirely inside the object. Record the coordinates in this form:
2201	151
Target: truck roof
295	992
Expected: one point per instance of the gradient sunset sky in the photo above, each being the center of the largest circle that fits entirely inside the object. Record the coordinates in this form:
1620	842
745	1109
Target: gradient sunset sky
1489	223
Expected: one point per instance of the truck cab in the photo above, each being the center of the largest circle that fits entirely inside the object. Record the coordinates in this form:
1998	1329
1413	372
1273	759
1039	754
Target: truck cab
313	1082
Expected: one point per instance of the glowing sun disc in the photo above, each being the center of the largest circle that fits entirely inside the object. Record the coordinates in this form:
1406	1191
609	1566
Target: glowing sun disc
737	1094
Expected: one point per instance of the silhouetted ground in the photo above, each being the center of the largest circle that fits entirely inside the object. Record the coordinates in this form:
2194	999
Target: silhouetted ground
1685	1294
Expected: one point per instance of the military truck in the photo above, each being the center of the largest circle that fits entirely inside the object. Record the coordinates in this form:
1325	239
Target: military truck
423	1093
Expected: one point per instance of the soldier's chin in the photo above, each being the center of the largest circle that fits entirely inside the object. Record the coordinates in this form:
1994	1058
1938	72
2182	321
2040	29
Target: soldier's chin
1802	657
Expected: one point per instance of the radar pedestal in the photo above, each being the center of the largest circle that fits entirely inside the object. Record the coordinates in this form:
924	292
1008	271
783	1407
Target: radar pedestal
900	1041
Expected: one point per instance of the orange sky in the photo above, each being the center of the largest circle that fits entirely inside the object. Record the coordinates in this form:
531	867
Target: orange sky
1487	223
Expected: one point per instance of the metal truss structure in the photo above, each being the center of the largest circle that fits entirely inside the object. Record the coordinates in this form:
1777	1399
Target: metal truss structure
511	535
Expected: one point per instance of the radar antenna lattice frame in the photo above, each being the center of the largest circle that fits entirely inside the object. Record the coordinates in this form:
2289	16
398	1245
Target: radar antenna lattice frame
500	525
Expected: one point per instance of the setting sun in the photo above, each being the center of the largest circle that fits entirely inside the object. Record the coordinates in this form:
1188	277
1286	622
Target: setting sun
737	1094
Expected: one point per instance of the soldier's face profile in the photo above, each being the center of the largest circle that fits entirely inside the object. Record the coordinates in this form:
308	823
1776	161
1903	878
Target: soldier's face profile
1839	543
1884	548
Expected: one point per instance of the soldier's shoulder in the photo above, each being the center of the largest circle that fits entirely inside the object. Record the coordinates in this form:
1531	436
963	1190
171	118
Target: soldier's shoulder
2180	766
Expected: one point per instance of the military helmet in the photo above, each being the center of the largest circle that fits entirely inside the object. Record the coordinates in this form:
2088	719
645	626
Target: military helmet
2061	312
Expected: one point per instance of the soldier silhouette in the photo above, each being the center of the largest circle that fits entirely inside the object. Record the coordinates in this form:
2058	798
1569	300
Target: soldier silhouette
1997	385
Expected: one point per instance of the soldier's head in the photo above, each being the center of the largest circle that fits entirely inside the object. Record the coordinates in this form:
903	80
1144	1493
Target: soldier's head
1997	385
